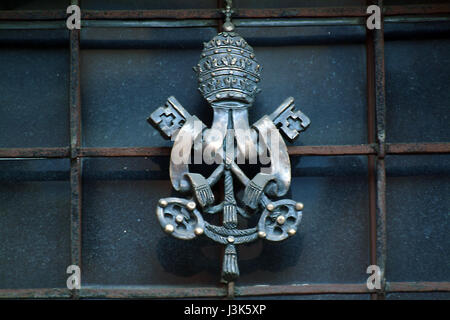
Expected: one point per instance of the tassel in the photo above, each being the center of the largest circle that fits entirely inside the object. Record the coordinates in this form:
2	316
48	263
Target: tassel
230	216
230	268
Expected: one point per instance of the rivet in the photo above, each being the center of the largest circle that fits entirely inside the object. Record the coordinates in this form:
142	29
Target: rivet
163	203
191	205
281	220
179	218
169	228
231	71
216	51
261	234
270	207
291	232
229	50
230	239
198	231
299	206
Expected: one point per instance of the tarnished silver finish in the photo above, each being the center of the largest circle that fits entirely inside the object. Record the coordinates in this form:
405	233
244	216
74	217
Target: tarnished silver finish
228	74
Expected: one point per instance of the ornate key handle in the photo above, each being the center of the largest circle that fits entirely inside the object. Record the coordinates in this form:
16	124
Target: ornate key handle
228	74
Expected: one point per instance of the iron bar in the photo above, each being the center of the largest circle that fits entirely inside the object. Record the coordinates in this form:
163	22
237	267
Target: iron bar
177	14
380	112
128	292
153	292
41	293
204	23
8	153
75	143
323	150
370	84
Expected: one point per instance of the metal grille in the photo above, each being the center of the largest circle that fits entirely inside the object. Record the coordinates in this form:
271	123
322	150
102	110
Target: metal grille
376	149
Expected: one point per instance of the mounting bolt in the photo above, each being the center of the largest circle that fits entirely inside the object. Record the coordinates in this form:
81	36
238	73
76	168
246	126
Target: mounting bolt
281	220
262	234
169	228
198	231
270	207
179	218
191	205
291	232
230	239
163	203
299	206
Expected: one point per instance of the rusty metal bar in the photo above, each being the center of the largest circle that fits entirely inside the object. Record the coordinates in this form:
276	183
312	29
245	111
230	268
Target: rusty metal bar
44	293
305	12
153	292
325	150
380	110
362	149
34	152
128	292
418	286
370	83
417	148
125	152
75	143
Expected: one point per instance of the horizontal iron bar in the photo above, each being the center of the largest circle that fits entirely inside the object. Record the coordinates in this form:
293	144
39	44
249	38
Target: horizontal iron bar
417	148
125	152
217	14
148	23
217	292
363	149
326	150
152	292
243	23
35	152
418	286
44	293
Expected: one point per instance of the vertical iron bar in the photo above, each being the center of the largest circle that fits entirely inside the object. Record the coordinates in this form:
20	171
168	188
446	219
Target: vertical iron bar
75	142
371	139
220	6
380	105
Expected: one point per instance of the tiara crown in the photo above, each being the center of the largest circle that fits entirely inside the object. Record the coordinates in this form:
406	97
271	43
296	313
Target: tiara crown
228	70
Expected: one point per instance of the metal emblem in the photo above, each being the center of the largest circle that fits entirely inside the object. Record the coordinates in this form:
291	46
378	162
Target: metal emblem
228	74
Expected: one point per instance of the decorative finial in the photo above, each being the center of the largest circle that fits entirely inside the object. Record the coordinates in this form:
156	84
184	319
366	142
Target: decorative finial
228	25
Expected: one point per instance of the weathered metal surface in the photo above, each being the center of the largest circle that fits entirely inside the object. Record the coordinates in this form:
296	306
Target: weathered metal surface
75	93
34	152
216	14
417	217
380	118
130	292
323	288
332	150
371	139
75	143
438	286
152	292
44	293
34	223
